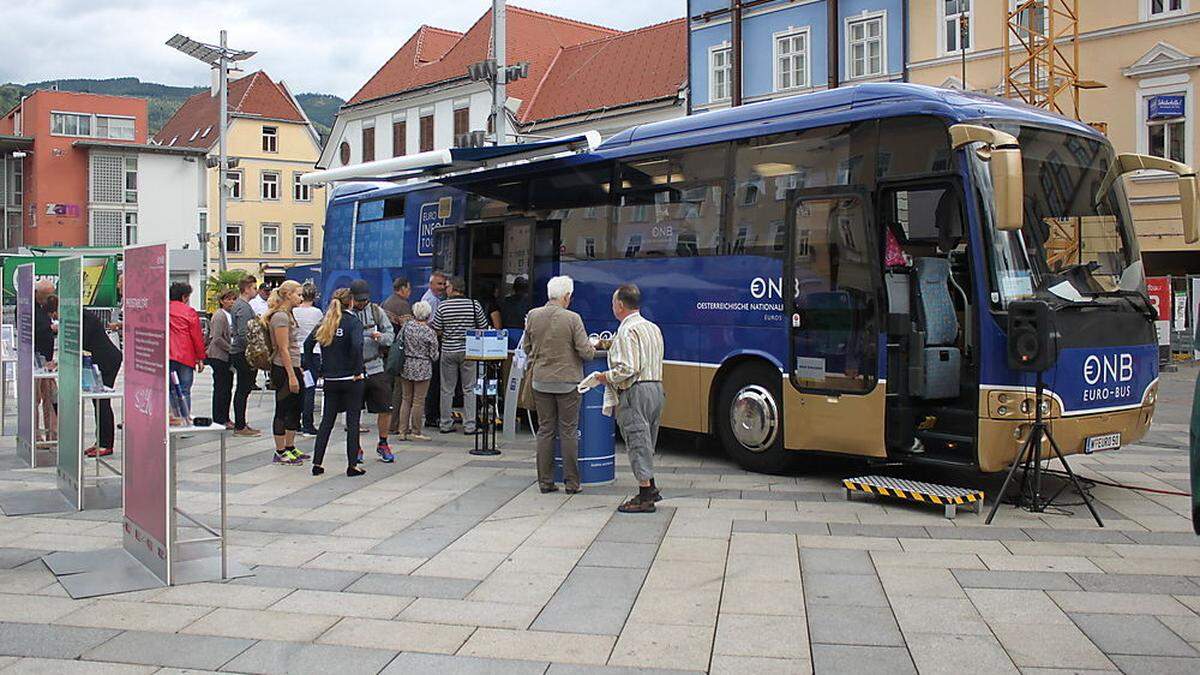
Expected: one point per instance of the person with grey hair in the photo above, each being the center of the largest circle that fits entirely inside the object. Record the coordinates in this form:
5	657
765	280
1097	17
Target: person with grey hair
633	387
557	345
420	353
453	317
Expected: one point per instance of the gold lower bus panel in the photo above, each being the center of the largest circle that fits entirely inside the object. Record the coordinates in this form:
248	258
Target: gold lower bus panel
999	441
846	424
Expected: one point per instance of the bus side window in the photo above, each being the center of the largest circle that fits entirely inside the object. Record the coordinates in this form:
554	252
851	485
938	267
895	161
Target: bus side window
672	205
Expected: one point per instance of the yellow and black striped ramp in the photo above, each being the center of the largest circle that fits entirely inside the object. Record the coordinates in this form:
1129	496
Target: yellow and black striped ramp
946	496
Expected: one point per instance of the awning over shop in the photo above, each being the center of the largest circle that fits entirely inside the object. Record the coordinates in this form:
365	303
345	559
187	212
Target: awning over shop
454	160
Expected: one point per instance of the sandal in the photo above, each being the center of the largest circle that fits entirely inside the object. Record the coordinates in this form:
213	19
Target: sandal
636	505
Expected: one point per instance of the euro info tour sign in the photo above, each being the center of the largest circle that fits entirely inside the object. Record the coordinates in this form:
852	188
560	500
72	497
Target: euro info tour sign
147	515
99	272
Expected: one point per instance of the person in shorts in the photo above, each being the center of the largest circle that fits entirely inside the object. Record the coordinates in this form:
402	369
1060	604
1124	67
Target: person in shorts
377	336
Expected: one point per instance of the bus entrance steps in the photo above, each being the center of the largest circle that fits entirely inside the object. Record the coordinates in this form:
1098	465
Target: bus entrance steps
946	496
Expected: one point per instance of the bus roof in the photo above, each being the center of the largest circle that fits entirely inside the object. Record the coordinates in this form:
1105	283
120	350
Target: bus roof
835	106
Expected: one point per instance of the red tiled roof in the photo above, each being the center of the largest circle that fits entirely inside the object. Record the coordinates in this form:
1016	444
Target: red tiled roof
254	94
532	36
642	65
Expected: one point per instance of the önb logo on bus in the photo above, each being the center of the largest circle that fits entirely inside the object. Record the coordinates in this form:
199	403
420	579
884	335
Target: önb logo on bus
1106	375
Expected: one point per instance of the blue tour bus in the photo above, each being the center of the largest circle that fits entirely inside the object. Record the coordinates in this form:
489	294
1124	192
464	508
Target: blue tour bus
831	271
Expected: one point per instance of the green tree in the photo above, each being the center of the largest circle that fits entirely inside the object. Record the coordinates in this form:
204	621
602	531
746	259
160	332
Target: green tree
218	283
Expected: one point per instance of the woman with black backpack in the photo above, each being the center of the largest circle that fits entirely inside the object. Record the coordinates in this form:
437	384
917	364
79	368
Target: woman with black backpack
340	335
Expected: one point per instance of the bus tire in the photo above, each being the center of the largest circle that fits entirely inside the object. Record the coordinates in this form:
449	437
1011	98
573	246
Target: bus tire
749	419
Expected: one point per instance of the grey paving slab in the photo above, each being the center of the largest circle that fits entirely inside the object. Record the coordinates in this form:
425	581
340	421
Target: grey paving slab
15	557
334	485
412	662
201	486
1156	665
1132	634
637	528
782	495
1046	581
429	535
780	527
835	561
1077	536
49	642
282	525
854	659
297	658
575	669
854	530
169	649
29	502
1137	583
619	554
309	578
838	590
989	533
592	600
413	586
249	462
1165	538
853	626
500	463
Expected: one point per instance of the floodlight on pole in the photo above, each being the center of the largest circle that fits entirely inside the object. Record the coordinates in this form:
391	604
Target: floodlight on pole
218	56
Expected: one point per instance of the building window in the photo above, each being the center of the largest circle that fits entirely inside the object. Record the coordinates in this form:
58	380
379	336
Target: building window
233	179
344	153
131	180
957	25
233	237
17	194
399	139
1166	129
462	122
368	144
791	60
300	191
864	40
70	124
130	228
270	238
107	227
270	186
426	134
719	71
270	139
1165	7
120	128
302	239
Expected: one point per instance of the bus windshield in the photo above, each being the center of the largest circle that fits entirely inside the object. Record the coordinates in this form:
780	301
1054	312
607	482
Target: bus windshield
1071	235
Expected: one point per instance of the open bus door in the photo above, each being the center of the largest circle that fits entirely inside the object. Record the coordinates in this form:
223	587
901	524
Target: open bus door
450	249
832	269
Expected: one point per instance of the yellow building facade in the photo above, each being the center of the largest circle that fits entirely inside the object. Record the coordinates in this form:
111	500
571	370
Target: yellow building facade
274	222
1145	52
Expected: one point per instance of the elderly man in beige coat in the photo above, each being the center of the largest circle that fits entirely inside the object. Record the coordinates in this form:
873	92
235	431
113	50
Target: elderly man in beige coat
557	346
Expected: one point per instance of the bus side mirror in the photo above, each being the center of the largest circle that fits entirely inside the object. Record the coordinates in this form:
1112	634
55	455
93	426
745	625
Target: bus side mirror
1189	206
1189	192
1003	155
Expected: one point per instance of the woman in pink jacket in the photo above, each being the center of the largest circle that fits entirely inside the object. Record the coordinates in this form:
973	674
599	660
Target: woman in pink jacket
187	340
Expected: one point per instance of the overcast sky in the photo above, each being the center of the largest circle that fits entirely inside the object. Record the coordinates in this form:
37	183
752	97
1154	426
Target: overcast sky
329	46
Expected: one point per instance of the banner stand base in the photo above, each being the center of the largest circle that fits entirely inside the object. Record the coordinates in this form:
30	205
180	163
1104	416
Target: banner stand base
89	574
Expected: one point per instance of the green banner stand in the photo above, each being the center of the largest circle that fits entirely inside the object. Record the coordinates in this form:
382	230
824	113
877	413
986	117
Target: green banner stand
70	368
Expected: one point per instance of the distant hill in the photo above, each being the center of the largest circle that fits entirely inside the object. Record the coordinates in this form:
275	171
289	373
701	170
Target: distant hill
164	99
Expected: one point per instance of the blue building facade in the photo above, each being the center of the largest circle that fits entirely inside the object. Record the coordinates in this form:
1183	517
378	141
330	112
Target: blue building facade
785	47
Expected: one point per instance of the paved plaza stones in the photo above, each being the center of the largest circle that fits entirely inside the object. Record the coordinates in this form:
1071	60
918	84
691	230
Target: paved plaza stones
449	564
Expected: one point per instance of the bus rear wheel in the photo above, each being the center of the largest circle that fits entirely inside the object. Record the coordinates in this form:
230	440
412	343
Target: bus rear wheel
750	419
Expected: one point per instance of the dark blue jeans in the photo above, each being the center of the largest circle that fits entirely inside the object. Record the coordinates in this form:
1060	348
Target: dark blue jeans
185	374
310	393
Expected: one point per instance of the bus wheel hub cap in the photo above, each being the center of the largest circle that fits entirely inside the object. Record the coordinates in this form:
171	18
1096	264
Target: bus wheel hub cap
754	417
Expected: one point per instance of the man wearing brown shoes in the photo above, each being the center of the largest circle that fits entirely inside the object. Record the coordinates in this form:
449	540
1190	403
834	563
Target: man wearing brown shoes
557	345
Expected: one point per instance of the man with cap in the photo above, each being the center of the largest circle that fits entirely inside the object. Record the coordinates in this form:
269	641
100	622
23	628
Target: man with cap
377	334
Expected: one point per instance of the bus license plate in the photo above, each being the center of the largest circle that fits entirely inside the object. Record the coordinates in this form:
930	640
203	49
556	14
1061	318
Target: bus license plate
1104	442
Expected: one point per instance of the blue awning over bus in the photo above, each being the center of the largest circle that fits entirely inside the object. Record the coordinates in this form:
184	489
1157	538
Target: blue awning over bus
453	160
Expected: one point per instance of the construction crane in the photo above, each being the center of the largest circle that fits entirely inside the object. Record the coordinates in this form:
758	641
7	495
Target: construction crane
1041	56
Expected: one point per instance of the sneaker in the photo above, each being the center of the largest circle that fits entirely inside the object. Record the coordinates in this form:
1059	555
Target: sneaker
286	458
302	455
98	452
419	437
247	432
385	452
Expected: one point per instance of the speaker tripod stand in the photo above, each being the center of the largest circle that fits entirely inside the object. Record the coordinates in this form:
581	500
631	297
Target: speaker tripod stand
1029	459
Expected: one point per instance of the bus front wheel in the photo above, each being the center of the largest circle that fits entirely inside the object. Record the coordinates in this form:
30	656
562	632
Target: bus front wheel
750	419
